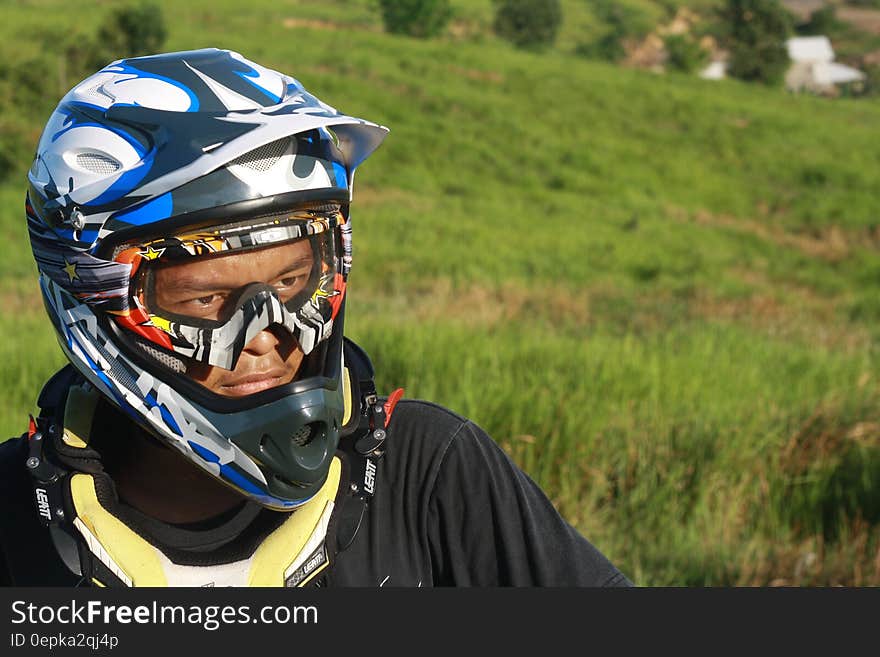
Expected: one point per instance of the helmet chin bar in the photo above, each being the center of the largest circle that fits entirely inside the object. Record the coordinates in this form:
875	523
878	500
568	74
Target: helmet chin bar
297	435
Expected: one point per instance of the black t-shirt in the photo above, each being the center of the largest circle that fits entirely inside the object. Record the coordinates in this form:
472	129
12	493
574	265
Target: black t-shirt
450	508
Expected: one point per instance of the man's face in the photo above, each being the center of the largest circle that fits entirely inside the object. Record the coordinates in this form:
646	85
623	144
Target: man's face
204	288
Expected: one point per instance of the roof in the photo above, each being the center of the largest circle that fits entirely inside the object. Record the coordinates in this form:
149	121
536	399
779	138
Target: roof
810	49
714	71
833	73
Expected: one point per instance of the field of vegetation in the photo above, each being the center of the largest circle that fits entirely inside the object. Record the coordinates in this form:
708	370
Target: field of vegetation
659	294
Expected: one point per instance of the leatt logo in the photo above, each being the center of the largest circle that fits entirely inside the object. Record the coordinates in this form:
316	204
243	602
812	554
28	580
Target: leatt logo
43	503
318	558
370	477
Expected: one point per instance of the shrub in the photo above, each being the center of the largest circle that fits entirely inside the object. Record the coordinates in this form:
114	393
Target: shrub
755	32
621	21
416	18
683	53
821	21
528	24
129	32
608	47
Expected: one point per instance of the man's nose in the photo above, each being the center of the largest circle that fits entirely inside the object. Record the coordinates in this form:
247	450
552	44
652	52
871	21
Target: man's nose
262	343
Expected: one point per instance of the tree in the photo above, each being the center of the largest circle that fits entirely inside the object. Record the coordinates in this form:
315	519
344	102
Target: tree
129	32
622	22
754	32
821	21
528	24
683	53
416	18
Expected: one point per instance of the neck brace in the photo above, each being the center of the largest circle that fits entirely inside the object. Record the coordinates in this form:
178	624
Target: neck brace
95	542
291	555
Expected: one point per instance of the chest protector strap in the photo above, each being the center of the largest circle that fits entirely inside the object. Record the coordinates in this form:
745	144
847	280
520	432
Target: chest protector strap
363	443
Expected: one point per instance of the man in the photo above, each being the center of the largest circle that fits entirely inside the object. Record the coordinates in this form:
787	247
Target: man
189	216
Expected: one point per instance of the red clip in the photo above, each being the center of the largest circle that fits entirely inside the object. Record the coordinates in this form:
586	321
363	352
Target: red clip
393	398
32	427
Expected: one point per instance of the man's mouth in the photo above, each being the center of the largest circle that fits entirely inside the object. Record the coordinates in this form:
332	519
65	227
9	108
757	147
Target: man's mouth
253	383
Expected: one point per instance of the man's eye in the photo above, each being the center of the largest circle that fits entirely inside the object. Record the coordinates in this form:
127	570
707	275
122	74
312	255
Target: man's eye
292	280
205	301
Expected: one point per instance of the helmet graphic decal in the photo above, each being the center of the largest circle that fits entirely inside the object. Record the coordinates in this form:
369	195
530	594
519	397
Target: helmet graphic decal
206	102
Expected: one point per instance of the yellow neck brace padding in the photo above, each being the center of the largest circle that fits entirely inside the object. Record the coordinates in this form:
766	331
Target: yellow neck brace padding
292	555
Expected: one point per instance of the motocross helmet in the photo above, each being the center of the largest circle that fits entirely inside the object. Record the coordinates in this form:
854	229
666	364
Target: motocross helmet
155	162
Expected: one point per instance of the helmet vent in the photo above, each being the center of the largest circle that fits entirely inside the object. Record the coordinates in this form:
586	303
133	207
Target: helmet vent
173	363
264	157
97	163
93	90
302	436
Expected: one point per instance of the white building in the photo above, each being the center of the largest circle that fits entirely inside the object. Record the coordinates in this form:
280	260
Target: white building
813	67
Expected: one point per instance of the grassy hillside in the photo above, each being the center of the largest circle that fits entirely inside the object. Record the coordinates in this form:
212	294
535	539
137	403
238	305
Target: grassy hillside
659	294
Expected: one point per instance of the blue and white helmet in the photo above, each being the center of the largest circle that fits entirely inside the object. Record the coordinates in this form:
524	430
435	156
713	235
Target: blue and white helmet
191	152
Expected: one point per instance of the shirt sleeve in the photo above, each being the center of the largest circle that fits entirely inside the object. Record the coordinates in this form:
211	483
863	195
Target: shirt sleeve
491	525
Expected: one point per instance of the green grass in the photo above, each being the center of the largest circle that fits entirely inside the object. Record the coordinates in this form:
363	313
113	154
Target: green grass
658	293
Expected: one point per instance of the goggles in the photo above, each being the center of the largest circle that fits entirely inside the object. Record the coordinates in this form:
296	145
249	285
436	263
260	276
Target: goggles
206	293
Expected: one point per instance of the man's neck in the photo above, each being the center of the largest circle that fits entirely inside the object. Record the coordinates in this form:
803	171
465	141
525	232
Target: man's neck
155	479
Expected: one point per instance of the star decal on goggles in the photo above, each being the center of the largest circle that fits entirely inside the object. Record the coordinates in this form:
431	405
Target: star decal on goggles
151	253
161	323
321	293
70	269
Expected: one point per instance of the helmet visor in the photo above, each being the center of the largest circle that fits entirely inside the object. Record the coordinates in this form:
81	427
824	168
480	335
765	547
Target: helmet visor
208	292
